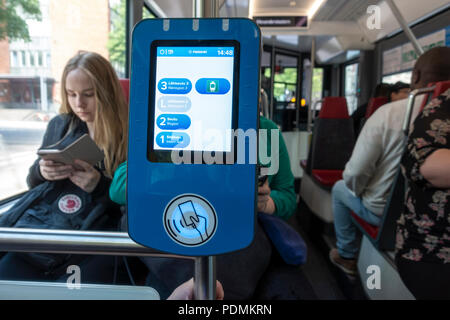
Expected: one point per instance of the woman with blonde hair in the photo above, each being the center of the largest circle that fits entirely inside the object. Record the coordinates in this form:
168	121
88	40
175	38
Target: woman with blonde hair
74	197
92	98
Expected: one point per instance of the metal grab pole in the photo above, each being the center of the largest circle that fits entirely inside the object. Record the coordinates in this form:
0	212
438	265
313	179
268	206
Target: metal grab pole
410	106
205	8
205	267
197	8
205	278
313	117
313	61
398	15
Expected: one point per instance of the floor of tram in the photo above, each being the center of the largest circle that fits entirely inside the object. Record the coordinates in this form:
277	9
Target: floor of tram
327	281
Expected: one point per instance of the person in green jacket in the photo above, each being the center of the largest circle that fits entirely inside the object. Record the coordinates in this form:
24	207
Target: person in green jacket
277	195
240	271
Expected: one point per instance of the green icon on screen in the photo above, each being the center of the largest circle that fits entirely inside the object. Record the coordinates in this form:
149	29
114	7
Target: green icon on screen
212	86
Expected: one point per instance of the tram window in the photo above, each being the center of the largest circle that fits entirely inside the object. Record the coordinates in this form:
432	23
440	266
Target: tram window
351	86
116	41
393	78
30	78
286	79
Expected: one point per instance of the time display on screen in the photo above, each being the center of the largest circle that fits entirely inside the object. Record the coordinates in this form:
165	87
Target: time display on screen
222	52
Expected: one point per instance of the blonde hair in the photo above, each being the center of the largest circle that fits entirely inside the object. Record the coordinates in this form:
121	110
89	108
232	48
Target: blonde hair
111	116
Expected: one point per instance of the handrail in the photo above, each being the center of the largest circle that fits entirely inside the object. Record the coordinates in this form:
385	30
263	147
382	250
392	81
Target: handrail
313	61
313	113
75	242
410	106
406	29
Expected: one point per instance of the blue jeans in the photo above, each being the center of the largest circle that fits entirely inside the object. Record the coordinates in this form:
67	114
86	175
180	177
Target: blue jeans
346	232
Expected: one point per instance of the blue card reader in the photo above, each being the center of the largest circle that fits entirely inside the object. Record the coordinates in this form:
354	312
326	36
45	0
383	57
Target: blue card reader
192	180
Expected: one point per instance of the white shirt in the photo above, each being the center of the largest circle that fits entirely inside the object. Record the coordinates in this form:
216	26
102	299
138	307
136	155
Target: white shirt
375	159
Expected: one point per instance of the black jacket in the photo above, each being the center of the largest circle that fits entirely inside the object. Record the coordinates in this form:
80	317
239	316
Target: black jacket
46	205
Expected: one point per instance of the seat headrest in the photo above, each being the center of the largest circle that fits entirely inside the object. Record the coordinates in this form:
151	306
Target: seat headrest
374	104
334	108
441	87
125	83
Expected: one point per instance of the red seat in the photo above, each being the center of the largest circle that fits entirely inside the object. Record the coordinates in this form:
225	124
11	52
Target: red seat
333	134
370	229
125	83
374	104
441	87
327	177
334	108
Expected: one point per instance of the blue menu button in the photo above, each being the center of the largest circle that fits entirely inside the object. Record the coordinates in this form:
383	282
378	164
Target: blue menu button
172	140
173	122
174	85
212	86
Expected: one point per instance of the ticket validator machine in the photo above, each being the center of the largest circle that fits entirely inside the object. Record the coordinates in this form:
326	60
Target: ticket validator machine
192	150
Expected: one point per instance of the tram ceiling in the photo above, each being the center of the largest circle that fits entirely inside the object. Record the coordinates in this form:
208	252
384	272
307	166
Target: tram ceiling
337	25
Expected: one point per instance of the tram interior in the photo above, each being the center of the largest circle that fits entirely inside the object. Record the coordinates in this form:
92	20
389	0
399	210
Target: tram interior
346	49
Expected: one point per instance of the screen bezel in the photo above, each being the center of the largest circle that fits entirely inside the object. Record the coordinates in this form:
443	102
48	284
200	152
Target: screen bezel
165	155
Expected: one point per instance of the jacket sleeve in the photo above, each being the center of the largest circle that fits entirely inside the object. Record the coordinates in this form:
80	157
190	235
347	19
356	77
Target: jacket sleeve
368	149
282	183
55	131
117	190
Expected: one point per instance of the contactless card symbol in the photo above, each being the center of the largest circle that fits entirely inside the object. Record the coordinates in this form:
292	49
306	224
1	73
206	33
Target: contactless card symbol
190	220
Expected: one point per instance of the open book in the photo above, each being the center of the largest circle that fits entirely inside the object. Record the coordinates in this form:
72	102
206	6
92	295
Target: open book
84	148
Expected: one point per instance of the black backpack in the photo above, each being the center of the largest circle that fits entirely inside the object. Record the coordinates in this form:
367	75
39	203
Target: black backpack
61	205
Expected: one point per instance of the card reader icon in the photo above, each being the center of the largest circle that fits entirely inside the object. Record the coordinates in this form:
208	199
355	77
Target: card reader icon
190	220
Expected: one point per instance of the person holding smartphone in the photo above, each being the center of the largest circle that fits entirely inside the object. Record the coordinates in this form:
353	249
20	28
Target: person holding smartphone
74	197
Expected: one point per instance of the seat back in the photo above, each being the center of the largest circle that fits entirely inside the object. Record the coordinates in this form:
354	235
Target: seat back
333	137
334	108
383	237
392	210
374	104
125	83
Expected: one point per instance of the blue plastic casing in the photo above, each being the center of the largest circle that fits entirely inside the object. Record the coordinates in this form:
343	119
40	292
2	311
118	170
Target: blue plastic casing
227	189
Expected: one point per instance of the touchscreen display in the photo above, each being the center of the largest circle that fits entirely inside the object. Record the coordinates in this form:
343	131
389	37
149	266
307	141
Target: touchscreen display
193	97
